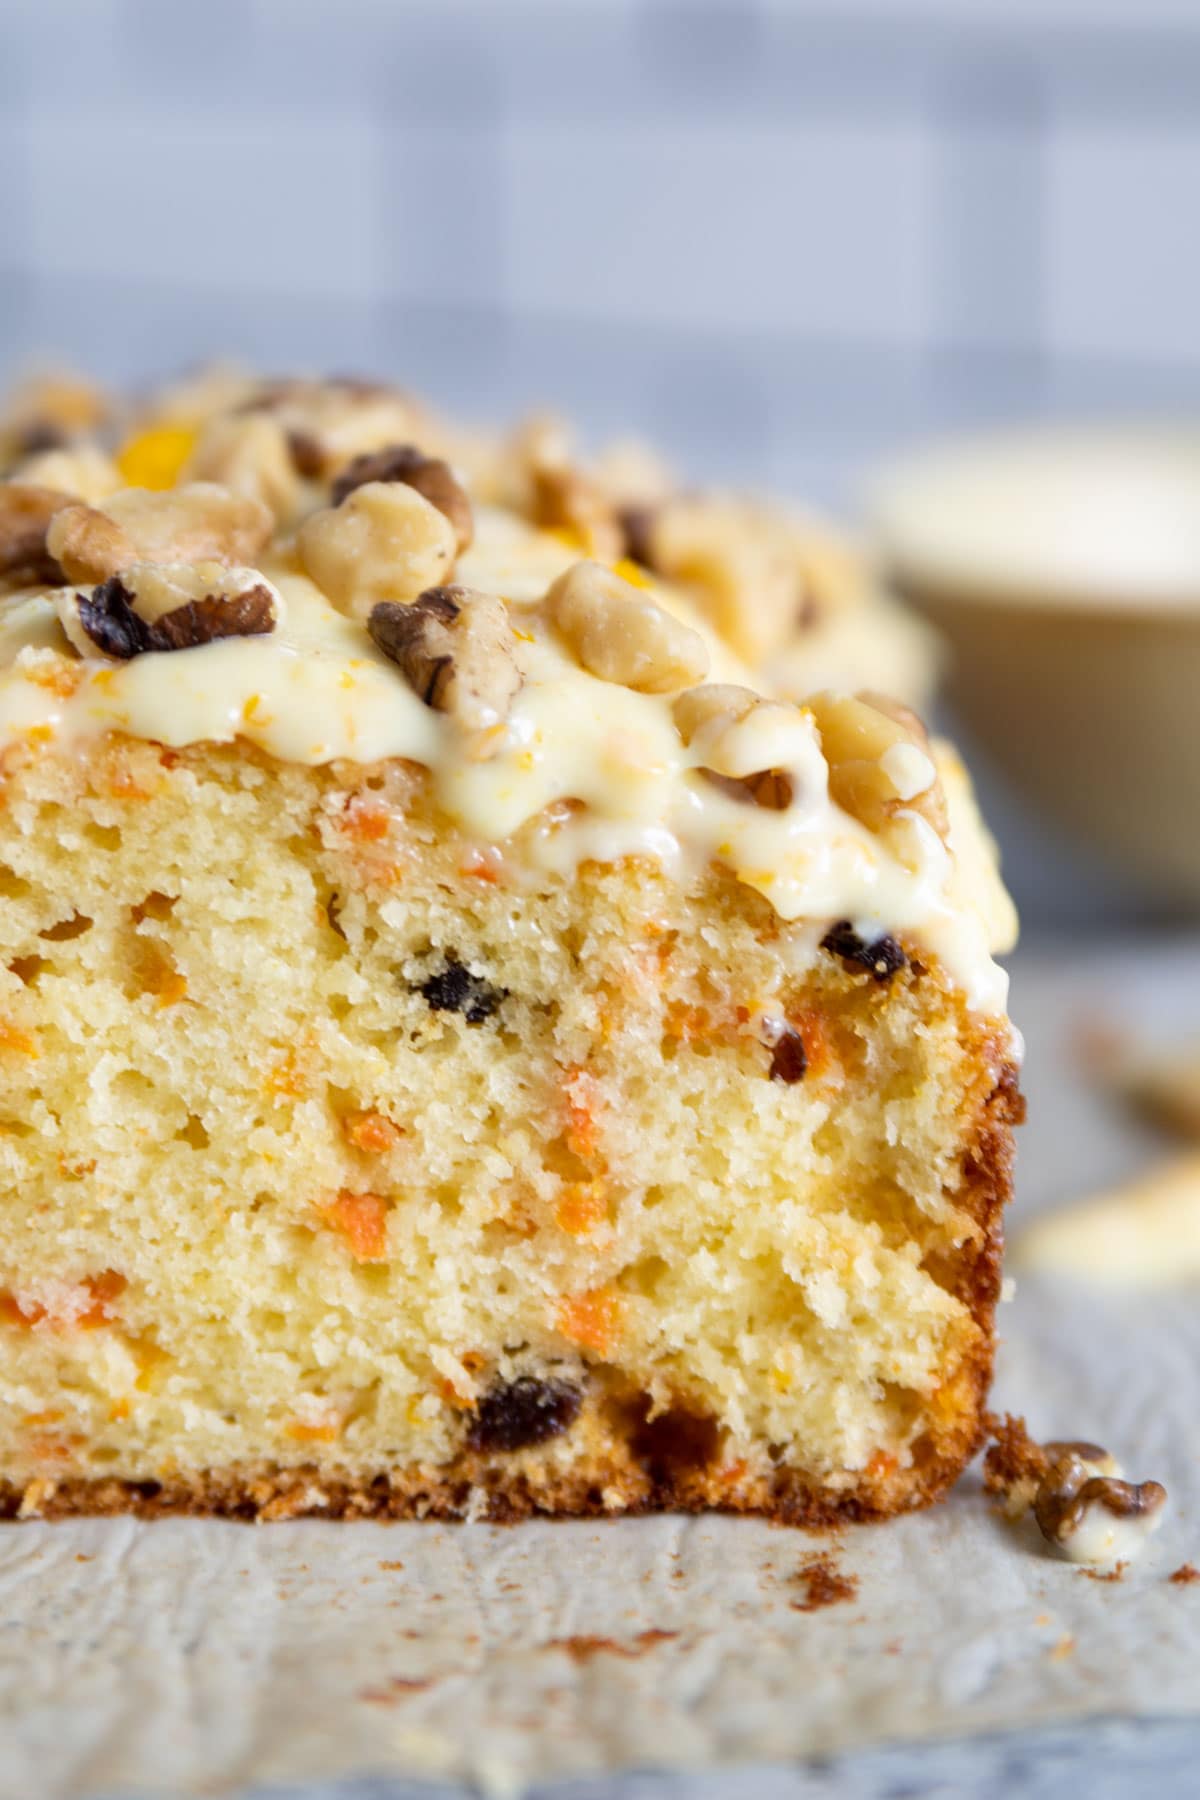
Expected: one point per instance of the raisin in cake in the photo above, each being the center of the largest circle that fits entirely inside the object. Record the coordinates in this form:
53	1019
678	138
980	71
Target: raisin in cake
464	1047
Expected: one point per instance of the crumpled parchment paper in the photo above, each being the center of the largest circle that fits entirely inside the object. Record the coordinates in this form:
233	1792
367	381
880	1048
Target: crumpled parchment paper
194	1656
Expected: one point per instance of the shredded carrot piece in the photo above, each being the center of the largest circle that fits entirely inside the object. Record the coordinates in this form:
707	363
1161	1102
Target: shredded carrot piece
364	821
591	1320
93	1304
582	1206
326	1431
371	1131
362	1221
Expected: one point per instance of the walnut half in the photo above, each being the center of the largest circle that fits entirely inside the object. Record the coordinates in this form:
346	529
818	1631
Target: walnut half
454	647
152	606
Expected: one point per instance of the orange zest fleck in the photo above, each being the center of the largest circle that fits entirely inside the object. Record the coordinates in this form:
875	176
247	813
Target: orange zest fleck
60	679
361	1219
155	458
591	1320
582	1206
371	1131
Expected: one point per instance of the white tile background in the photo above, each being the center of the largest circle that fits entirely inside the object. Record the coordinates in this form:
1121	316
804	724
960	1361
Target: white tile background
785	236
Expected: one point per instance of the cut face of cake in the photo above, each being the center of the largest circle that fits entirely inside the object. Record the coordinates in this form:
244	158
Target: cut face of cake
464	1049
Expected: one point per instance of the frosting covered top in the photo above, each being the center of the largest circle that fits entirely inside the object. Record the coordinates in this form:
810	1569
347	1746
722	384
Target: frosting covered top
358	600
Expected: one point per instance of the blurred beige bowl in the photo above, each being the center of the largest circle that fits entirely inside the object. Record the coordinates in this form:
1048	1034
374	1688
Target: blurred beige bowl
1063	568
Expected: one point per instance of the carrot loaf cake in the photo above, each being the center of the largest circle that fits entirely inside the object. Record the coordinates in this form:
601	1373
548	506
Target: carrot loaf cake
467	1046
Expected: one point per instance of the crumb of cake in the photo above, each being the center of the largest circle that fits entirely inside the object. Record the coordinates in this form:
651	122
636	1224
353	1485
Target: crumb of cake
1184	1575
822	1584
582	1646
1116	1573
394	1687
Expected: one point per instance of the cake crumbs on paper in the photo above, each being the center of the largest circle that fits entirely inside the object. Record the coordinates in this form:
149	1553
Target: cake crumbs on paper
1116	1573
394	1688
582	1647
1184	1575
822	1584
1065	1647
391	1565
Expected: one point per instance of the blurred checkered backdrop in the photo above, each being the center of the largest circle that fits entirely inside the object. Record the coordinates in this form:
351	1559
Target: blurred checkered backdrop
784	239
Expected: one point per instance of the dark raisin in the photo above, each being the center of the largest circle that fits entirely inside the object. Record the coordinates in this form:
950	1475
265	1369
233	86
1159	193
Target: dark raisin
525	1411
455	989
881	958
789	1060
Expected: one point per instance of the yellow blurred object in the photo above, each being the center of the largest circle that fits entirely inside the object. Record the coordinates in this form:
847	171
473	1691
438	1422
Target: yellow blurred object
154	458
1143	1235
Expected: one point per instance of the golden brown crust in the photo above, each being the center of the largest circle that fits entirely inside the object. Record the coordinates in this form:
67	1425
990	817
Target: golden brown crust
618	1481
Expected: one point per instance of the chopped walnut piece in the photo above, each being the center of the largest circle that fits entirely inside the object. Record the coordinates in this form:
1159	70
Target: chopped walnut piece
249	454
619	634
327	423
879	760
740	562
153	606
1094	1517
1080	1503
88	545
385	542
199	521
762	751
26	513
429	475
454	647
81	470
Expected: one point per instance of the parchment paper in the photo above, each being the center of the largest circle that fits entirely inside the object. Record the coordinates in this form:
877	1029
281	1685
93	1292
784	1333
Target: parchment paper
197	1656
